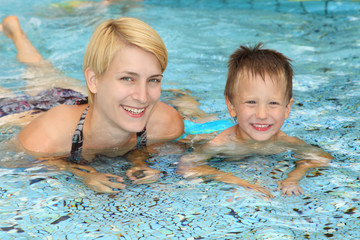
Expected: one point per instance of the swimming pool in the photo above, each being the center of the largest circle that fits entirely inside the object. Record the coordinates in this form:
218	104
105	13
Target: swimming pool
321	38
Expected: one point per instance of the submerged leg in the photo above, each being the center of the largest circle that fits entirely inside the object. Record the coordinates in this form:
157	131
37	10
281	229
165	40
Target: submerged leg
188	106
26	52
41	74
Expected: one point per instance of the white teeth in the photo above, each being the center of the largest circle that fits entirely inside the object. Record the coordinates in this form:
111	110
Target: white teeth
134	110
261	125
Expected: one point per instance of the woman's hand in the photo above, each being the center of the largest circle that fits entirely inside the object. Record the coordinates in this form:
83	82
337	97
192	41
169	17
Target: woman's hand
143	174
101	182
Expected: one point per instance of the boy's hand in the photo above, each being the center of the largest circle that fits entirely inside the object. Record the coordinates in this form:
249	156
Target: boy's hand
143	174
229	178
258	188
289	187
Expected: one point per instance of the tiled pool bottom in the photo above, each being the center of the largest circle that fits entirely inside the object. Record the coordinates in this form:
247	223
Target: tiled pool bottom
38	204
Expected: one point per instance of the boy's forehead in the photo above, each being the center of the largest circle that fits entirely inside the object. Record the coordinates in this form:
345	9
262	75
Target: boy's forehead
252	77
242	83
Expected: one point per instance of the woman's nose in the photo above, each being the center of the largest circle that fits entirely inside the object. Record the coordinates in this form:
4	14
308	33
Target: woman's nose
140	93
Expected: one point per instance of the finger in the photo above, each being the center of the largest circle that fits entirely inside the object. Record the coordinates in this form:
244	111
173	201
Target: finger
151	178
267	193
102	189
114	185
134	169
148	179
262	190
130	173
289	193
83	167
117	178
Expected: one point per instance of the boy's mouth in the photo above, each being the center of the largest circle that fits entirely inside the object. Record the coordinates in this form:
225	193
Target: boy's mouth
261	127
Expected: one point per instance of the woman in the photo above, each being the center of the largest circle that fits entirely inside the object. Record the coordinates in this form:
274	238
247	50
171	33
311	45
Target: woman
123	67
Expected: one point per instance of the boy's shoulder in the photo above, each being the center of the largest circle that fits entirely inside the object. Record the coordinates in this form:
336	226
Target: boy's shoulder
290	139
224	137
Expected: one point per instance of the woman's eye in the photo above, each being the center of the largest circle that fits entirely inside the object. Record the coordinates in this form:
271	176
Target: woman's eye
126	78
155	80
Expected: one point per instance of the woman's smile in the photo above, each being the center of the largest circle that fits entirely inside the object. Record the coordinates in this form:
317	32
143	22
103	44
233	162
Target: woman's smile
134	112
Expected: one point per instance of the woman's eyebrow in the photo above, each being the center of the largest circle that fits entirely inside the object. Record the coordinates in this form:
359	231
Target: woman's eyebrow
156	75
137	75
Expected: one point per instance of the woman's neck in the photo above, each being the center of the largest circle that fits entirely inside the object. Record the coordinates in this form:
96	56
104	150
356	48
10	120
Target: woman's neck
100	134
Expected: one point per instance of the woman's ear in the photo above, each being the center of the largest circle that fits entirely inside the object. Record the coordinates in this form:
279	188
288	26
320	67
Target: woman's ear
91	80
230	107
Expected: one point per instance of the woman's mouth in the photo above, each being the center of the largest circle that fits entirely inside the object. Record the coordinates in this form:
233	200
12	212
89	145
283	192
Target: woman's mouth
134	112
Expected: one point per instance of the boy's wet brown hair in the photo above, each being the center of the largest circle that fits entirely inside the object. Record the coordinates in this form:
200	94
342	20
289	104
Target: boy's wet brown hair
257	61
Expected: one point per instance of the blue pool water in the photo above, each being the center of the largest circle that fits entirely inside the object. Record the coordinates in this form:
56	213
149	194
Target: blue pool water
322	39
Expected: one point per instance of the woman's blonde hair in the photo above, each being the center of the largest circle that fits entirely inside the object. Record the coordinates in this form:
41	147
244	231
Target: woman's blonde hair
113	34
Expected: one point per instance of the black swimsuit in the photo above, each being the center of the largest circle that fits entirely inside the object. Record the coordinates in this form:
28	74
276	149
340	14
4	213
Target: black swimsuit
77	140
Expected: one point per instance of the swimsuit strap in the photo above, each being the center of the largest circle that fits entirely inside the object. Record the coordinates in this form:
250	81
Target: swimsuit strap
141	139
77	140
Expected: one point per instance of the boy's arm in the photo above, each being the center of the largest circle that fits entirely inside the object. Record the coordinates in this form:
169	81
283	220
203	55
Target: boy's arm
194	165
311	157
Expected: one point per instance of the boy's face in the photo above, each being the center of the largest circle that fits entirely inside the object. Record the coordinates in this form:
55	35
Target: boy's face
260	107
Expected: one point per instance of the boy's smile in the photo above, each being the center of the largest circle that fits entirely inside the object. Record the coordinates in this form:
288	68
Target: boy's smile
260	107
261	127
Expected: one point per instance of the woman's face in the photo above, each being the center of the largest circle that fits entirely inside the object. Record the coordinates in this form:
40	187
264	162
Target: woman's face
128	91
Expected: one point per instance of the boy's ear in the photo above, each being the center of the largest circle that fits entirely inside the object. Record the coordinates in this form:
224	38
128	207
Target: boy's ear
230	107
91	80
288	108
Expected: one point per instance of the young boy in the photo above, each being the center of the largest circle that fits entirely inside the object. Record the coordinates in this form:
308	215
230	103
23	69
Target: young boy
258	94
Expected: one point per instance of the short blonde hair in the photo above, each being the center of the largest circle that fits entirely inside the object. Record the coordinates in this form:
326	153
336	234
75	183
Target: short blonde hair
113	34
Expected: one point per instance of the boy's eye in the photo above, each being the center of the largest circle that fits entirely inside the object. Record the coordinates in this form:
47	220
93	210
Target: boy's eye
274	103
250	102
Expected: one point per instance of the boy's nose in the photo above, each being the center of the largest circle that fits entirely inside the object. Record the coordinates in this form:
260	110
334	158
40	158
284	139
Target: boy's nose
261	112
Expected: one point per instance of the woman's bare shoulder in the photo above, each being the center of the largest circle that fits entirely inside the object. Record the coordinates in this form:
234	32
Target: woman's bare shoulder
165	123
52	131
